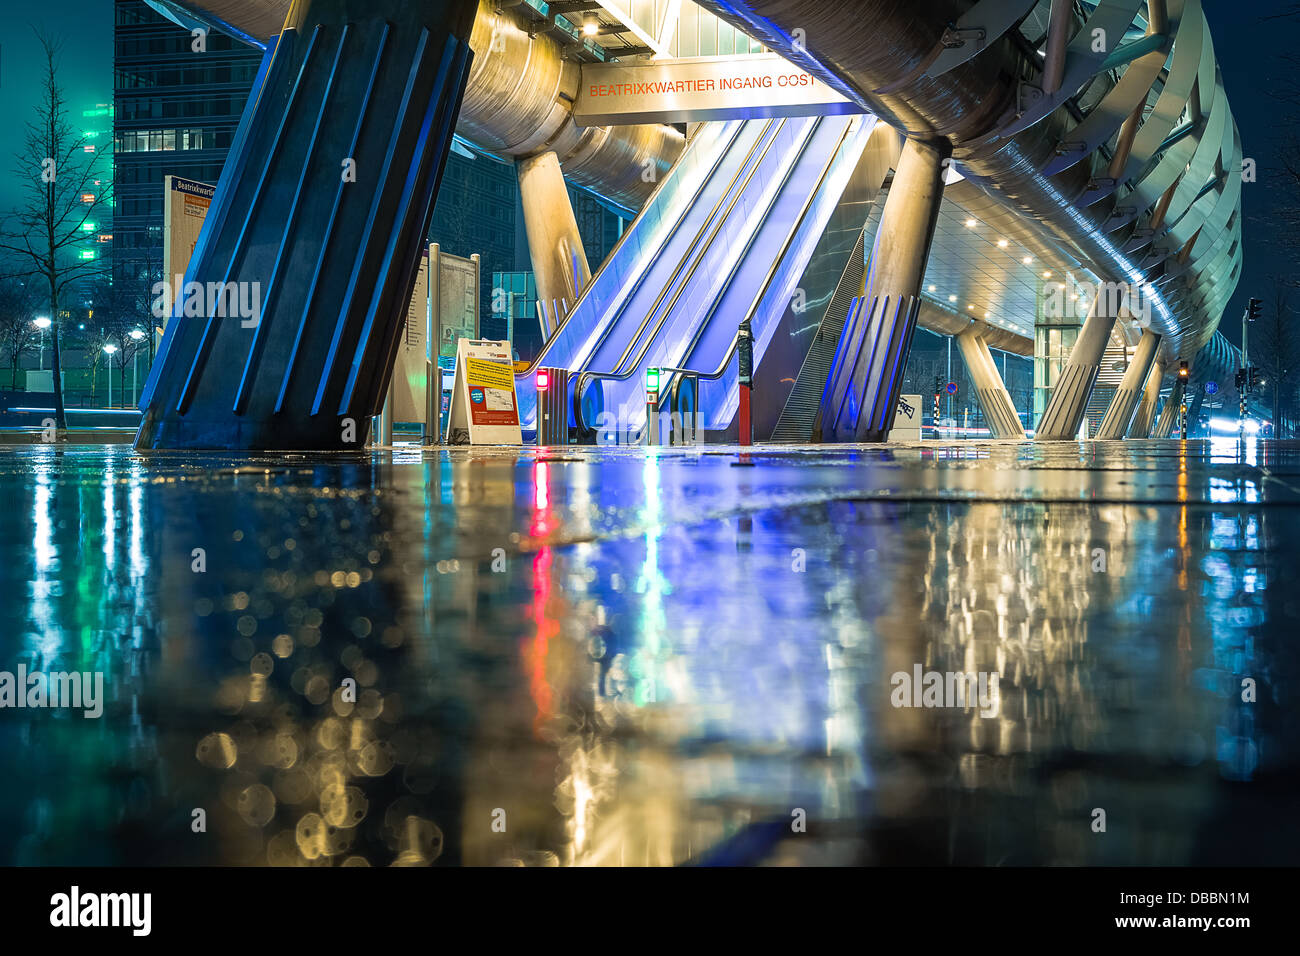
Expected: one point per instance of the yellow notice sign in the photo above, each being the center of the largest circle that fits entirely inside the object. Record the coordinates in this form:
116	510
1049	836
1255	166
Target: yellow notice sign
483	407
489	374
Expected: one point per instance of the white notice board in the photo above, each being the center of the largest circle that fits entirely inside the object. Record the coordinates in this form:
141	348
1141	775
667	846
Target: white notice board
907	419
483	400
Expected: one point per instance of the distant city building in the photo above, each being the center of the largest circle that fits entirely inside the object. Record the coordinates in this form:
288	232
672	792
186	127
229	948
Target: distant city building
479	210
175	114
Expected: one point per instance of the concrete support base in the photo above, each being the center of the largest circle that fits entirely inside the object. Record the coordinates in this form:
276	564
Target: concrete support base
861	395
315	233
994	398
1124	405
1069	400
1146	413
554	243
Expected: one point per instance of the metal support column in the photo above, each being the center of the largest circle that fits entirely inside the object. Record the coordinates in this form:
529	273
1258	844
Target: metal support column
861	395
1146	413
1125	403
994	398
1069	399
326	200
554	243
1169	414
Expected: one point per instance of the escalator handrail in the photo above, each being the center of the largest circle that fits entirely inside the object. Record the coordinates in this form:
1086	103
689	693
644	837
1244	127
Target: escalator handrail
771	272
627	233
712	220
587	375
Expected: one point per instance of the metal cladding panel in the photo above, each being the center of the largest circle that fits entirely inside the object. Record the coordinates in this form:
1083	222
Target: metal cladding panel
319	220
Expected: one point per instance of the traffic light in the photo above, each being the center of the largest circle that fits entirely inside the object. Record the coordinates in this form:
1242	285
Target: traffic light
1241	379
1254	309
1184	371
1254	376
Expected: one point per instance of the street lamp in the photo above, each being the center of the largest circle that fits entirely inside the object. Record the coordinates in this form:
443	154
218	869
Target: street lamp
136	336
42	322
111	349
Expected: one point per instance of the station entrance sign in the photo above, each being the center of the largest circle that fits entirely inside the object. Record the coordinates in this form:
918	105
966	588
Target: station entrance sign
483	402
701	89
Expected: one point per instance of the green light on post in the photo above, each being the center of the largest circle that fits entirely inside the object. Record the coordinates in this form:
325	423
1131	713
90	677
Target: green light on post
652	379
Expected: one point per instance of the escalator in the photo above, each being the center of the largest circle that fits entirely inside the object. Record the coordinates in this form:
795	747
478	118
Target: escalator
763	192
676	209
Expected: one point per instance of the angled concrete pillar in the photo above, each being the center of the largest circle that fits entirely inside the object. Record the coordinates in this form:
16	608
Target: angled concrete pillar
1069	400
861	394
554	243
1146	412
309	253
1169	415
1123	406
994	398
1194	406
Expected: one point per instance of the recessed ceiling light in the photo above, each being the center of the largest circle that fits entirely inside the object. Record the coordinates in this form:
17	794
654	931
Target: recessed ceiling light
952	298
971	224
934	288
1047	275
1002	243
1028	260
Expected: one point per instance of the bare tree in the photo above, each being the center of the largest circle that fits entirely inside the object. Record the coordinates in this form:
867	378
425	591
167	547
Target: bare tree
18	332
61	189
1275	351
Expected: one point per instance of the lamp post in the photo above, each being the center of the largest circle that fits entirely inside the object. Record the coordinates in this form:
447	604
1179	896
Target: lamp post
136	336
110	349
42	322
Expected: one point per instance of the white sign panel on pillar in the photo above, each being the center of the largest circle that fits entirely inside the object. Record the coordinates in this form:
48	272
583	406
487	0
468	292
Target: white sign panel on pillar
185	208
411	369
907	419
483	402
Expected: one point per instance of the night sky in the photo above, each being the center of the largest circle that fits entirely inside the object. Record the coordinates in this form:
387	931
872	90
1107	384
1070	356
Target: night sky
1247	44
85	28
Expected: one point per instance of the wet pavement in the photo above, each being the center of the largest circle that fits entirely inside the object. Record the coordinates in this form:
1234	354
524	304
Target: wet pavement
584	656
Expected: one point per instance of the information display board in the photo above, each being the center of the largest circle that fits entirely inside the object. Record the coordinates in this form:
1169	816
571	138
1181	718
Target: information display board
484	406
185	208
411	369
455	298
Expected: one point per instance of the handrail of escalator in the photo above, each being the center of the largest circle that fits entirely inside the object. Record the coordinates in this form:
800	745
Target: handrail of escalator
587	375
537	361
717	373
766	284
717	224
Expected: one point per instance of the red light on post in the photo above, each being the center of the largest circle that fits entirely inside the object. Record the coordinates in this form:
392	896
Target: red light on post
543	381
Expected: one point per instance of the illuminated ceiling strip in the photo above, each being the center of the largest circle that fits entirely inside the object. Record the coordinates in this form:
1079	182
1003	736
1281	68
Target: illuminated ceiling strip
668	29
619	12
